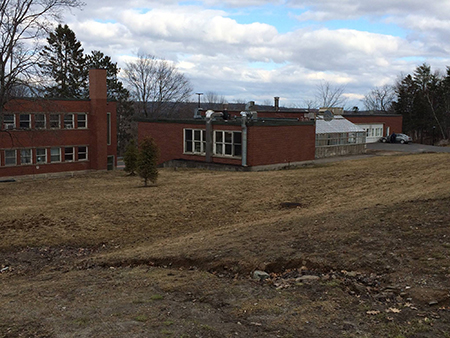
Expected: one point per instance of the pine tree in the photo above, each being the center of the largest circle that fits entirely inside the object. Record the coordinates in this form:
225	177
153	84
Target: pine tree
148	160
64	64
130	158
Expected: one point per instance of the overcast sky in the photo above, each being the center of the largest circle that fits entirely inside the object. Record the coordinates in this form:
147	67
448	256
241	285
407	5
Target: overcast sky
258	49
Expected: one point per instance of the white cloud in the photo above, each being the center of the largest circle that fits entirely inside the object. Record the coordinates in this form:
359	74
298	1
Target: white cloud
346	9
255	60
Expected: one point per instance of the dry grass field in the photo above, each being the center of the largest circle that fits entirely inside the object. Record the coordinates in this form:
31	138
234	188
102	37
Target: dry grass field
353	249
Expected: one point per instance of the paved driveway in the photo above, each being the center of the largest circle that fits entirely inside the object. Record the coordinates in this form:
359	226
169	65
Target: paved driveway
408	148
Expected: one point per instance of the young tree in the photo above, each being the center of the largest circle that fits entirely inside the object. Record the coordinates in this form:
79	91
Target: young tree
22	25
130	158
148	160
64	63
156	85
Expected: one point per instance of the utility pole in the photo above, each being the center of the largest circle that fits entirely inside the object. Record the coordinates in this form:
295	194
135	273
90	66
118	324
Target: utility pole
199	94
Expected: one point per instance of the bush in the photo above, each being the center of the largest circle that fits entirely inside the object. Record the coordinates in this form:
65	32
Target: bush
148	160
130	158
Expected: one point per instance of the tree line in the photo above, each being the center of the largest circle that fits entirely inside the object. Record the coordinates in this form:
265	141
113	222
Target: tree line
422	98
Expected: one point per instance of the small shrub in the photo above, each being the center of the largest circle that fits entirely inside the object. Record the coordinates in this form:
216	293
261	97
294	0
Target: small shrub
148	160
130	158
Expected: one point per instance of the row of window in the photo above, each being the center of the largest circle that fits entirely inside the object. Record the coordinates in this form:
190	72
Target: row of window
225	143
44	121
13	157
334	139
374	132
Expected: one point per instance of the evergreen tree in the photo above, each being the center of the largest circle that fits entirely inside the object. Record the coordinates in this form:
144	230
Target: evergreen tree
64	63
421	99
148	160
130	158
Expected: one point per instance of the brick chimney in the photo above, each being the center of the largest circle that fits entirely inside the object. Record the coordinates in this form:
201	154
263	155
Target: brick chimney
98	122
97	84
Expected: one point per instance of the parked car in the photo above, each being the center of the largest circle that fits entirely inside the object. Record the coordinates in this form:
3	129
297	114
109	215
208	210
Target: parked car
399	138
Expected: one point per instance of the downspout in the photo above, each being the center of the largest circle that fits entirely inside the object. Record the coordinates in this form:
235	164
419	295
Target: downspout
210	114
244	137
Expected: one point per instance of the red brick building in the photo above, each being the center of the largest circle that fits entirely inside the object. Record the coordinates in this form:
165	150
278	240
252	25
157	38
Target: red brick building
259	138
42	136
377	125
241	142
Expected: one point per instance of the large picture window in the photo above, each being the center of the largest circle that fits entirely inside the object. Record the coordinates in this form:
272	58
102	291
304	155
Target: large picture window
194	141
228	143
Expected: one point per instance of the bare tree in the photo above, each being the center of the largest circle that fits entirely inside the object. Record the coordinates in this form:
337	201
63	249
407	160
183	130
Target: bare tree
157	85
330	96
380	99
214	98
310	104
22	24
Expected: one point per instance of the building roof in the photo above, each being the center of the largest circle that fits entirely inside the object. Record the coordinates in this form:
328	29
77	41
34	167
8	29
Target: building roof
338	124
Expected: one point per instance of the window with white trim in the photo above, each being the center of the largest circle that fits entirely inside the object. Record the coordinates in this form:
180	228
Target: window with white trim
69	154
194	141
25	121
9	121
41	155
39	121
25	156
108	129
10	157
68	121
55	155
82	121
55	121
228	143
82	153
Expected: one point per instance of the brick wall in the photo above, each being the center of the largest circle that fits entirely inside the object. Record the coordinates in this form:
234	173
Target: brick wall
280	144
394	122
93	137
169	138
266	144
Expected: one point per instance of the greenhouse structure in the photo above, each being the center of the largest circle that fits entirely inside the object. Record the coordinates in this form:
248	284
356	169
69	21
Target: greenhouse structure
337	136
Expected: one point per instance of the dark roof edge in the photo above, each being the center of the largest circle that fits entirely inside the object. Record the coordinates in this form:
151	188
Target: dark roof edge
259	122
377	115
